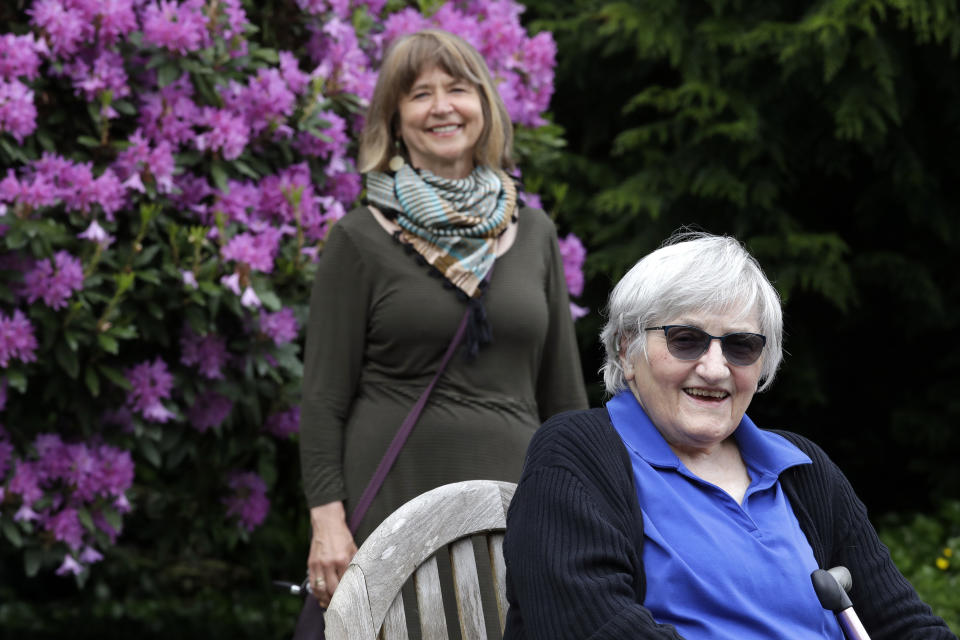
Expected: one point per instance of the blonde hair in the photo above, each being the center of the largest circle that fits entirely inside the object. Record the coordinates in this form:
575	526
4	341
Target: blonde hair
406	59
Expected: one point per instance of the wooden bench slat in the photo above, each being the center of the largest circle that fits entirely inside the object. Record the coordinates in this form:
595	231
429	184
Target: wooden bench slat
433	622
499	569
395	622
466	586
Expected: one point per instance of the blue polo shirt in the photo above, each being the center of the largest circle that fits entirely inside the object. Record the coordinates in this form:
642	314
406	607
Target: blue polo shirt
716	569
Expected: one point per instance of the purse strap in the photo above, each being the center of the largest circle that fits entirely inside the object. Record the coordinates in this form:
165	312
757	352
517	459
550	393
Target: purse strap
406	427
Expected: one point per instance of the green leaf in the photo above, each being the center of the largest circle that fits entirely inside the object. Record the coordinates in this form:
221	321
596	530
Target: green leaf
219	175
108	343
270	300
93	381
86	519
149	450
168	73
88	141
114	376
16	379
67	359
31	562
11	532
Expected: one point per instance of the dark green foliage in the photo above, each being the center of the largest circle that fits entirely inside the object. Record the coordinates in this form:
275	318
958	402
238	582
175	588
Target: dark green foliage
822	135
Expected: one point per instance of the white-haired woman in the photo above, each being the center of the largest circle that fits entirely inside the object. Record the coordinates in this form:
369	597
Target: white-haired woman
435	150
668	513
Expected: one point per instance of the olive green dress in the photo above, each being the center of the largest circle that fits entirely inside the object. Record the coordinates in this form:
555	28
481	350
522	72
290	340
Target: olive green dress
379	325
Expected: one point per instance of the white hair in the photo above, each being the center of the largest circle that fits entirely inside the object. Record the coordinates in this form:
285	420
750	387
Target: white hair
692	272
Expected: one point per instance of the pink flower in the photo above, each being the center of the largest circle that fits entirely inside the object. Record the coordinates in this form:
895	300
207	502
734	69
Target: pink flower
66	28
228	133
209	410
18	115
249	299
69	566
577	311
208	353
283	424
256	250
66	528
17	340
248	503
96	233
90	555
150	383
180	28
55	281
574	254
232	282
20	56
281	327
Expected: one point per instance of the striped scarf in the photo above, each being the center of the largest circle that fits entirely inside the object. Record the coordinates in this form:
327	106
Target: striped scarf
453	224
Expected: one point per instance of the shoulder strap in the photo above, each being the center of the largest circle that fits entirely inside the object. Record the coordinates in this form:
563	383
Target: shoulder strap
406	427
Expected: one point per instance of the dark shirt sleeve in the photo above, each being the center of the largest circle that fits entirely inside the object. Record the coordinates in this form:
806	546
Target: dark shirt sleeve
333	358
560	379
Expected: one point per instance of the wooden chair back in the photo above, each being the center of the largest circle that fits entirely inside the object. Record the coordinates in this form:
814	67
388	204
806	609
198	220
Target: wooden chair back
368	603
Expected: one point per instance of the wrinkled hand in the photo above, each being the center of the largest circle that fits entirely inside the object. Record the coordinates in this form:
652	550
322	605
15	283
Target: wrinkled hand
331	549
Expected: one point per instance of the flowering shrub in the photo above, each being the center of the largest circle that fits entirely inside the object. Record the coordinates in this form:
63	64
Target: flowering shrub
174	167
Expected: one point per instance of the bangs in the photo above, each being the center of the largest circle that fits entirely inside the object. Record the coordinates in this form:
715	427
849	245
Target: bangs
423	53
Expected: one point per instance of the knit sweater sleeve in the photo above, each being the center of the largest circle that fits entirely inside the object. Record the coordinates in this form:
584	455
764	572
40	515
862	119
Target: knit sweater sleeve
884	600
573	563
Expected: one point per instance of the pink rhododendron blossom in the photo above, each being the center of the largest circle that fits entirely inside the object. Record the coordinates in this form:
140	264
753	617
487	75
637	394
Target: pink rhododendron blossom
232	282
103	73
208	353
53	281
248	503
250	299
151	383
189	279
89	555
96	233
69	565
341	61
237	203
283	424
258	250
209	410
18	115
574	254
181	28
66	28
281	327
65	527
17	339
26	514
142	157
228	133
577	312
171	114
25	481
20	56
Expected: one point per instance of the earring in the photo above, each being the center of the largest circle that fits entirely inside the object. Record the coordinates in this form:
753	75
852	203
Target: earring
396	162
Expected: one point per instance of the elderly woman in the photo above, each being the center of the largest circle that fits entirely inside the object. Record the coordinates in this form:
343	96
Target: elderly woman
669	514
444	231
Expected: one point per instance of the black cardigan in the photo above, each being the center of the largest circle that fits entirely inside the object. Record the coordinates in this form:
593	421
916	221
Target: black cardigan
574	542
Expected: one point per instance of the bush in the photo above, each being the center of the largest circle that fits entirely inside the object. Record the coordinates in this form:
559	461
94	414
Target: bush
173	169
927	551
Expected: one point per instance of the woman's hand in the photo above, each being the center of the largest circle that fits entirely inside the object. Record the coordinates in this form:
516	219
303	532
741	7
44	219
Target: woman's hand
331	550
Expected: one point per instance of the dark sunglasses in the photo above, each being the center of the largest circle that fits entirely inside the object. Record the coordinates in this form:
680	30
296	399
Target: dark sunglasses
689	343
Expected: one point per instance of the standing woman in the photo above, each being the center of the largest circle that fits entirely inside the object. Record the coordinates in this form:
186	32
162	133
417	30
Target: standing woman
444	231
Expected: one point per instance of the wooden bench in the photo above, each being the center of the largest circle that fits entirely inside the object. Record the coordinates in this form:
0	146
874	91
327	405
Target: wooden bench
368	604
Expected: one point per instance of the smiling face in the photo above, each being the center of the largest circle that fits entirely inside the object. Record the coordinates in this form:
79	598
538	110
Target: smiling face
695	404
441	119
